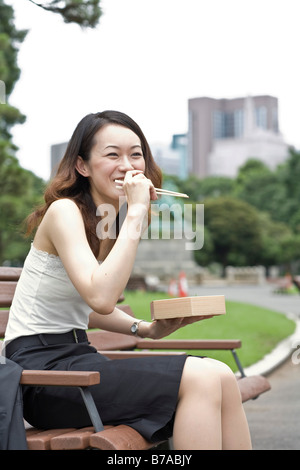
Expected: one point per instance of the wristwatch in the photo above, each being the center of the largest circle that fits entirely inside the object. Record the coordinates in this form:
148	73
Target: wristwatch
135	327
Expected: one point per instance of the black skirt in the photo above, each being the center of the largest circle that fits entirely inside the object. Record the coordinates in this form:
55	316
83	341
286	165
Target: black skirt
139	392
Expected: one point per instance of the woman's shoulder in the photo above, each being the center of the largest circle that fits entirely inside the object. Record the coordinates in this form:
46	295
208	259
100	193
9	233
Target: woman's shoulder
63	204
62	207
61	222
62	211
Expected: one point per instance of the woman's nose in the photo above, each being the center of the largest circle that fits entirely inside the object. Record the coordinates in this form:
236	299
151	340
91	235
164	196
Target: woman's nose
125	164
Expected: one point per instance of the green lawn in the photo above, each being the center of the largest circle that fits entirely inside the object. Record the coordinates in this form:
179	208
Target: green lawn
259	329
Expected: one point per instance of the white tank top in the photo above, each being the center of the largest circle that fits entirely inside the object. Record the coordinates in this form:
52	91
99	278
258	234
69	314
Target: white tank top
45	300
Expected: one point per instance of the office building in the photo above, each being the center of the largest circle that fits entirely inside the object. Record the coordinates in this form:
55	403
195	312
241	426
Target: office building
172	158
224	133
57	152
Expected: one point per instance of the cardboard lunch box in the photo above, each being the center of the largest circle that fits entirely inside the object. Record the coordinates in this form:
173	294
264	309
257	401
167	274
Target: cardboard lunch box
205	305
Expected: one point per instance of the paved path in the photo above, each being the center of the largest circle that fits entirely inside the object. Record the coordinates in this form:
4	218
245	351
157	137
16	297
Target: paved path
257	295
274	417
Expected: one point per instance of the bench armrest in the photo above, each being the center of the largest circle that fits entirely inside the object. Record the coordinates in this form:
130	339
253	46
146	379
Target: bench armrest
59	378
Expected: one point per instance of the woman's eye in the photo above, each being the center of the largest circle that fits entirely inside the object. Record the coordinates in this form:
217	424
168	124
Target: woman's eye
112	155
137	155
115	155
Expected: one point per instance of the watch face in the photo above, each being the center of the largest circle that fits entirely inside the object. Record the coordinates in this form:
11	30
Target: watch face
134	328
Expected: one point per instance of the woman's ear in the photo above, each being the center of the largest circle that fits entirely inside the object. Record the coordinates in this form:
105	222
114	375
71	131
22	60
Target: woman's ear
81	167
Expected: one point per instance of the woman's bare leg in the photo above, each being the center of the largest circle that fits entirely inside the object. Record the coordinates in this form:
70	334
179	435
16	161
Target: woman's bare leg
209	414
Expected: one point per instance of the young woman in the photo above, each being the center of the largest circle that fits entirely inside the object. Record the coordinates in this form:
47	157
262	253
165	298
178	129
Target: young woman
70	272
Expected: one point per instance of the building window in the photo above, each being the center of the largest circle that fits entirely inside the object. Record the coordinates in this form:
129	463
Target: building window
238	123
218	125
261	117
275	126
228	125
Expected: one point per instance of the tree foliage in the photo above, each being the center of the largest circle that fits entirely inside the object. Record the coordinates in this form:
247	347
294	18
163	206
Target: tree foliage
198	190
19	188
259	223
10	38
85	13
234	228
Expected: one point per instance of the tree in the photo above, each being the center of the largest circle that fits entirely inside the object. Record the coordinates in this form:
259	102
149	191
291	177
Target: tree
234	233
19	188
262	188
198	189
85	13
10	38
275	236
215	186
289	174
276	192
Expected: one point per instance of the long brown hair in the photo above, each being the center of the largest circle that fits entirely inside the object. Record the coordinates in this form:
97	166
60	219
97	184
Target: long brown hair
69	183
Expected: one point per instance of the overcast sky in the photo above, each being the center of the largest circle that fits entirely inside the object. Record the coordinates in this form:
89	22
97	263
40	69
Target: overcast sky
147	58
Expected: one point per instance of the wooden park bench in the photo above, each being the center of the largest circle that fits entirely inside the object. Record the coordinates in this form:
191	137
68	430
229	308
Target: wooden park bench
113	345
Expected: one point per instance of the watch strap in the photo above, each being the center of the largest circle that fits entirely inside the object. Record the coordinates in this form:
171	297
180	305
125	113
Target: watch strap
135	327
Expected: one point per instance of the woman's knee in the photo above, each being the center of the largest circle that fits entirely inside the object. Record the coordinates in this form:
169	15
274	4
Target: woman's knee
207	365
200	378
206	376
229	384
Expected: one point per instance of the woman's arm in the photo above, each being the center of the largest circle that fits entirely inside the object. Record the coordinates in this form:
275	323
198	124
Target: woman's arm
100	286
117	321
120	322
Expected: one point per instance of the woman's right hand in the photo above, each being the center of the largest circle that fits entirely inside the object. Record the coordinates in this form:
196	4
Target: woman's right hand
138	189
161	328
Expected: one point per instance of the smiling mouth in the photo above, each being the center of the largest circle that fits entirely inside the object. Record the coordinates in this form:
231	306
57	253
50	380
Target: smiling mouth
119	185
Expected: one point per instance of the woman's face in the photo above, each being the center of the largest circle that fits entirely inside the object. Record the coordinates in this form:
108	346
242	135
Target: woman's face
116	150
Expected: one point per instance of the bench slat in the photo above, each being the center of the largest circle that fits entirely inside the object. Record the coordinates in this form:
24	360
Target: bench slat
7	291
8	273
189	344
40	440
119	438
3	321
77	439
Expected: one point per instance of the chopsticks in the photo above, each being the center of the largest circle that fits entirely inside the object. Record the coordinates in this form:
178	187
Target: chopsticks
160	191
169	193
